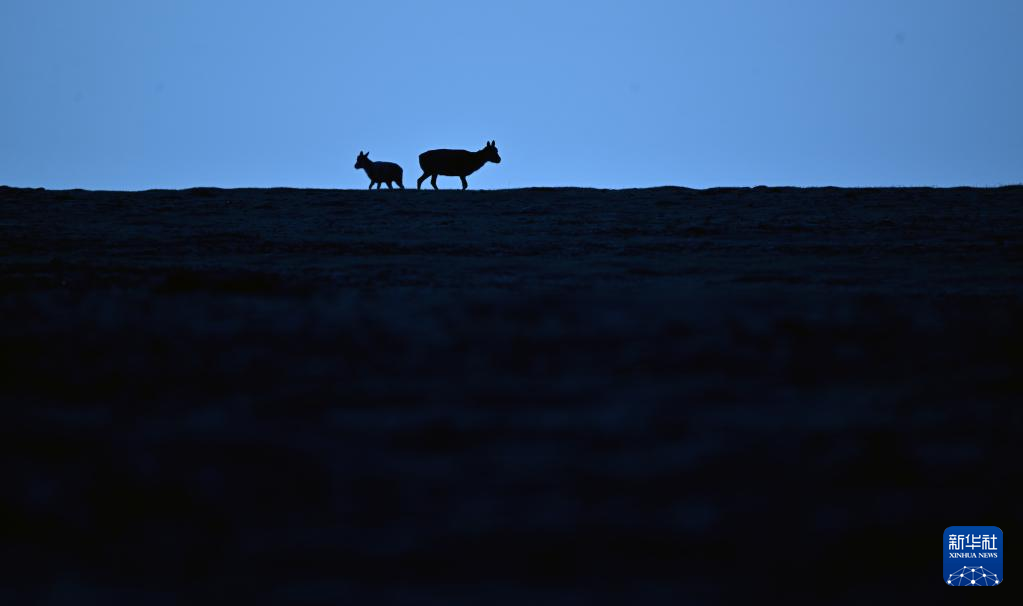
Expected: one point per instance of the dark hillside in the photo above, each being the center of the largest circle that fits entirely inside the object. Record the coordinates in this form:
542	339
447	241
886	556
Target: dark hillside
545	396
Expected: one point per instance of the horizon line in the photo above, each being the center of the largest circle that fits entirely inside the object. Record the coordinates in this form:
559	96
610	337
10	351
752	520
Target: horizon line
508	189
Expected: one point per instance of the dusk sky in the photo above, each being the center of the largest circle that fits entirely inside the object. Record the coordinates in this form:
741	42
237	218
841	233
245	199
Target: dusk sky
129	94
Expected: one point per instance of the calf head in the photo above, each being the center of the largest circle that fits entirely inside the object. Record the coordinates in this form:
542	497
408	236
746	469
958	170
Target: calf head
362	161
490	153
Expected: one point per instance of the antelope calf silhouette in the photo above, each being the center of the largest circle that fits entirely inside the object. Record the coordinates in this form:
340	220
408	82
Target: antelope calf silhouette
379	172
455	163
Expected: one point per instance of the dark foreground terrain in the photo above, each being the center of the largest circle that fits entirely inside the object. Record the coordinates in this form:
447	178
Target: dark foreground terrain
548	396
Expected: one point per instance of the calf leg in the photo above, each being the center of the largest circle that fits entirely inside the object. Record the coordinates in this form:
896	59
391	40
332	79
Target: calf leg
389	185
371	184
419	182
433	182
465	184
400	184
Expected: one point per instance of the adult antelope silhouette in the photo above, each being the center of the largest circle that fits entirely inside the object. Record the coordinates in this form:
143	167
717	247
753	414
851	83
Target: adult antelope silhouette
379	172
455	163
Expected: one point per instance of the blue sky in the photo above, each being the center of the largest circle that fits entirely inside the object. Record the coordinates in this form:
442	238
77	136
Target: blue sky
135	94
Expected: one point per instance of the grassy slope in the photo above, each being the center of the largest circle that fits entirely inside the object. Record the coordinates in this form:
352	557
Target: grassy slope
285	393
